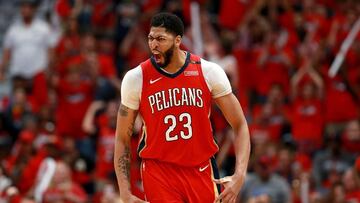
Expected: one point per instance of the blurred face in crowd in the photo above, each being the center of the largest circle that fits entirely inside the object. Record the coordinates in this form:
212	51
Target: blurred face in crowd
162	45
264	172
62	173
276	95
352	130
27	11
349	181
72	25
308	4
285	159
88	43
339	194
263	168
19	97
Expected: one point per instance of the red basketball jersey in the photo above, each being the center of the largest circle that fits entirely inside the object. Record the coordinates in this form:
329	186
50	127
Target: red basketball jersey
175	109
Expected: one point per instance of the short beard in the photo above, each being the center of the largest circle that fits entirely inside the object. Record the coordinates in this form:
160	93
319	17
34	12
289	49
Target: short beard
167	56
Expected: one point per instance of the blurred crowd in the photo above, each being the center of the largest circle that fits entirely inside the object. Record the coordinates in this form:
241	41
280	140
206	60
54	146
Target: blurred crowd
61	67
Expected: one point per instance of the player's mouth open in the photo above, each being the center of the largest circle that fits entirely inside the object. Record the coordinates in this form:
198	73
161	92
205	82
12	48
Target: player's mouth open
157	58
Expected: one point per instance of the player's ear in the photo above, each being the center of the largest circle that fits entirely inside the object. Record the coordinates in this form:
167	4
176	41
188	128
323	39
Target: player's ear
178	41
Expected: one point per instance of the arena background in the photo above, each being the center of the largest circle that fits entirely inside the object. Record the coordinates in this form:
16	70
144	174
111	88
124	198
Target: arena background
57	122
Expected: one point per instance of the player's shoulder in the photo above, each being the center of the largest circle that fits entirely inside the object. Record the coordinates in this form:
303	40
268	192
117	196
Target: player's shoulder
208	66
133	74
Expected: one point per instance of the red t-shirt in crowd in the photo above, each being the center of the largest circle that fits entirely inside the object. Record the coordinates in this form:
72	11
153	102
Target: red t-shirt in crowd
232	12
274	71
339	103
264	133
307	121
102	15
272	126
319	24
73	103
67	47
353	196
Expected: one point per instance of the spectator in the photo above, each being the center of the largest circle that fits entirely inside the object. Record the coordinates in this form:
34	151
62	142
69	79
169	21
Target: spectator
329	164
108	194
80	166
336	194
351	138
272	116
274	64
307	111
339	93
127	14
285	164
264	182
21	163
69	44
75	94
96	66
105	125
101	120
351	185
133	49
62	189
103	17
11	195
27	47
16	112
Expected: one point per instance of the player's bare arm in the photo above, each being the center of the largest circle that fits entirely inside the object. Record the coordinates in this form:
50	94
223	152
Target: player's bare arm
122	156
233	113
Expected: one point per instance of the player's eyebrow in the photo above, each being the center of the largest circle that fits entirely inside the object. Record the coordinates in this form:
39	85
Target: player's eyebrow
151	36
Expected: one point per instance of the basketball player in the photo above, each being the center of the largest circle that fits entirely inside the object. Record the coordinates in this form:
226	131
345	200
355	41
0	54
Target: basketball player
173	91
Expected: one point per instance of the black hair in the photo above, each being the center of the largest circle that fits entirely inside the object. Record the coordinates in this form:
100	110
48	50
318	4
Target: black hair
170	22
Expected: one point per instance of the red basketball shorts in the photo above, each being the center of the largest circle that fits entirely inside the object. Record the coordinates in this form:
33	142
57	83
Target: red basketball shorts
165	182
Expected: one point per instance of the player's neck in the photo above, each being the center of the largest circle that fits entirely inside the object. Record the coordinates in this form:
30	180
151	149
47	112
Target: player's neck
177	61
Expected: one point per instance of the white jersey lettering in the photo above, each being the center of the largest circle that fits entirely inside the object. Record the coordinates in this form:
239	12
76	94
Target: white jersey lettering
175	97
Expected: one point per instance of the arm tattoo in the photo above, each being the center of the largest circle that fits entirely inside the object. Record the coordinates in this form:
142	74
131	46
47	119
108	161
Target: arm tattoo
130	129
123	110
124	162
